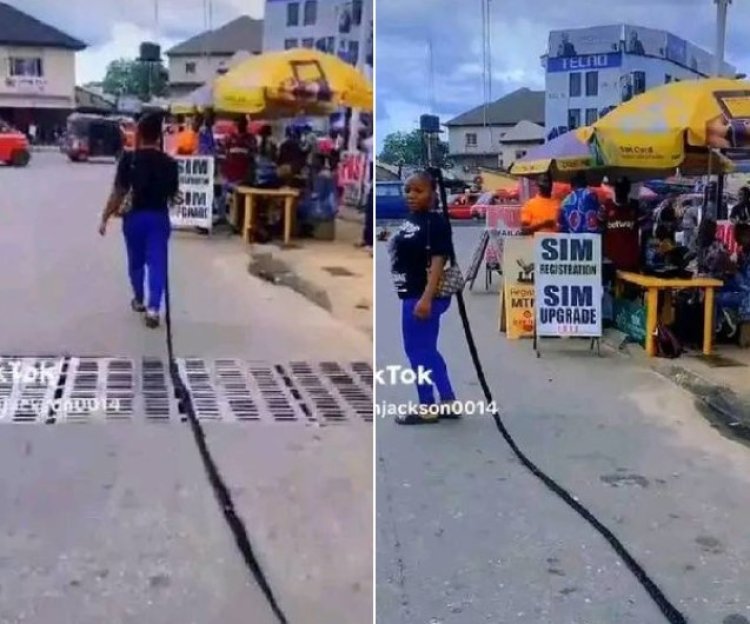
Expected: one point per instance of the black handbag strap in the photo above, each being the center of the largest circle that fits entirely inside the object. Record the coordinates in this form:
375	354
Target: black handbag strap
452	257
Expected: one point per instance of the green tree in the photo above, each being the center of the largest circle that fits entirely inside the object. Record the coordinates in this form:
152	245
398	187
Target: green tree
407	148
132	77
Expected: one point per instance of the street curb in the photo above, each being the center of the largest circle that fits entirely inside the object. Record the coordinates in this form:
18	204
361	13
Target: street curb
269	267
727	408
731	410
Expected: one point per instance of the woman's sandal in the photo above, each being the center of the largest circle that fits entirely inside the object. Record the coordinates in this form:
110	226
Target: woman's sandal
415	419
152	320
449	412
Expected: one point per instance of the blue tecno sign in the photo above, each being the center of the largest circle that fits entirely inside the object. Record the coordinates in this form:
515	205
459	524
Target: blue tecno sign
584	63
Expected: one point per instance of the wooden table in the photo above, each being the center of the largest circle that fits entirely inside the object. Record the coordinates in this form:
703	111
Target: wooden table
289	195
653	285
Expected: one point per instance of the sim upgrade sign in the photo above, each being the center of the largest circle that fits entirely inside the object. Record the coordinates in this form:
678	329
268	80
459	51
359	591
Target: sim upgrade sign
568	281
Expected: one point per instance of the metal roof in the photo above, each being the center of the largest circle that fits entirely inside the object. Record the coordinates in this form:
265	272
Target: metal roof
20	29
522	104
244	33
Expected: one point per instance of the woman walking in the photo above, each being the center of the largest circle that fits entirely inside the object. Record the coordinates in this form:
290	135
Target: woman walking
419	250
150	178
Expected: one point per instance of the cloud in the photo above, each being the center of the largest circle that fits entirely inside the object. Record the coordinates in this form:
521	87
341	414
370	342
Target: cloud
115	28
519	38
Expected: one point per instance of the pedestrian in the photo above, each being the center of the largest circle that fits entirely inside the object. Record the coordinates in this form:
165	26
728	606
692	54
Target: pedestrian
580	210
151	180
187	140
419	250
741	211
541	213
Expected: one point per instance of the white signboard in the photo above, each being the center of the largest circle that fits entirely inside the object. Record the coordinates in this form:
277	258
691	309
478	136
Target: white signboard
568	280
194	205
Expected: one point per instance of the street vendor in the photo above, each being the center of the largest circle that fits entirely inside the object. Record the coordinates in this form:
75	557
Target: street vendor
240	153
733	299
541	212
187	140
741	211
580	210
620	224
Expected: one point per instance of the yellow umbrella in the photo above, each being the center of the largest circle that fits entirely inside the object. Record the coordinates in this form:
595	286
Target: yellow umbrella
677	125
299	80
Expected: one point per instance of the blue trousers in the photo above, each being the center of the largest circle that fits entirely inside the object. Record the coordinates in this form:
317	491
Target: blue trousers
147	239
420	344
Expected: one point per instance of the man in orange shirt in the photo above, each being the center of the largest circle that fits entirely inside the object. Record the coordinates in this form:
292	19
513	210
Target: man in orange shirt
187	140
540	213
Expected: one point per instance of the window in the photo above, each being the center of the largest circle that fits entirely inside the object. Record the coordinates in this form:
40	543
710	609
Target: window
591	116
292	14
290	43
667	78
26	67
353	52
592	83
575	85
357	12
311	12
574	118
190	68
308	43
520	154
471	139
639	82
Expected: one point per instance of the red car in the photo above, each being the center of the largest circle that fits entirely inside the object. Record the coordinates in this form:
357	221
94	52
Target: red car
14	146
460	206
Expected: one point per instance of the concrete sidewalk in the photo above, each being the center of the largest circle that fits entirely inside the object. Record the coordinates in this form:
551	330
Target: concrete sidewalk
333	274
719	382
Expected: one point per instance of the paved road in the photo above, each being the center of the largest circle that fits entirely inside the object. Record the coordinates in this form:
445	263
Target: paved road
116	521
466	534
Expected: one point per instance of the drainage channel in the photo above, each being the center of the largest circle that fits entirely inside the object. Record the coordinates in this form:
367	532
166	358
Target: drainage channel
109	389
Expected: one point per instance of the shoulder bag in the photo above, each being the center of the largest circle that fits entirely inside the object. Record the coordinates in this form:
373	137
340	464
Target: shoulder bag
452	280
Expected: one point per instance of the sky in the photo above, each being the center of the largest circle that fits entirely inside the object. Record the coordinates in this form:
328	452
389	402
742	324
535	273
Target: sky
519	38
115	28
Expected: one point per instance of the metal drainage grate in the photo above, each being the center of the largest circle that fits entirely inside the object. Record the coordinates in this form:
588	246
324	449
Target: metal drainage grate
197	378
28	388
231	389
323	403
80	390
357	396
116	389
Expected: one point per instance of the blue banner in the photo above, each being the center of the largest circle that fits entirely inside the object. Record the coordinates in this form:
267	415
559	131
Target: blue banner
588	62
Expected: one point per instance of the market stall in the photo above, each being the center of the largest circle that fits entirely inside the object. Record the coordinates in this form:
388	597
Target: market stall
691	128
291	87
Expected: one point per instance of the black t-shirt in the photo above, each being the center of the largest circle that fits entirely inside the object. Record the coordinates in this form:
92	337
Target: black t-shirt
420	237
153	177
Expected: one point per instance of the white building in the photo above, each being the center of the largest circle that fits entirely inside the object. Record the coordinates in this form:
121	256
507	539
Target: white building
494	136
199	59
37	72
591	70
338	27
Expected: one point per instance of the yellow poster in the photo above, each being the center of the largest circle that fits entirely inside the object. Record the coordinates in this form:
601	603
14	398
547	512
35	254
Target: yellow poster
519	306
518	291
